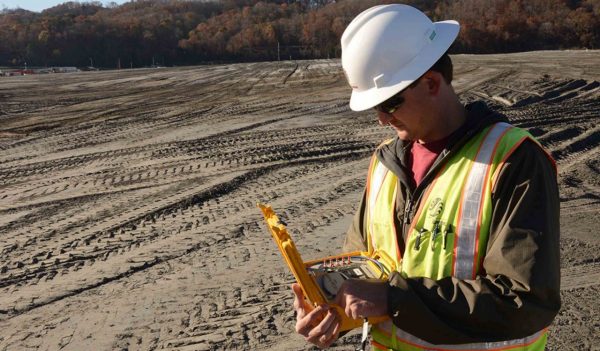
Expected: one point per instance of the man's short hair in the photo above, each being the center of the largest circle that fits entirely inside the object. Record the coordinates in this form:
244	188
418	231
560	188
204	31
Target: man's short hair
444	67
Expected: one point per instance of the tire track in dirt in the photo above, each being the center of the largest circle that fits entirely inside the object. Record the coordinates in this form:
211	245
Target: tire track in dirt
254	314
73	256
581	276
224	311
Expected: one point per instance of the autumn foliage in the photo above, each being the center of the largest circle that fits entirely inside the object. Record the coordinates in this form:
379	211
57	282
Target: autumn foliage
176	32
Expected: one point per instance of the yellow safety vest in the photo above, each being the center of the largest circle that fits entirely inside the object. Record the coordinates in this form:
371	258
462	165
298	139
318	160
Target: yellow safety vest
449	232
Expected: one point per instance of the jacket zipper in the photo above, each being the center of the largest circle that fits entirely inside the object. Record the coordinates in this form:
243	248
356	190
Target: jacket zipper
418	192
407	206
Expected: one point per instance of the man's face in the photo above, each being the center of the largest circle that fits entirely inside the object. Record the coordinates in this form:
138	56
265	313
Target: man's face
410	118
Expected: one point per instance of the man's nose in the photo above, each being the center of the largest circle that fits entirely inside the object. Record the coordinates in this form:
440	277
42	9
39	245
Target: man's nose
384	118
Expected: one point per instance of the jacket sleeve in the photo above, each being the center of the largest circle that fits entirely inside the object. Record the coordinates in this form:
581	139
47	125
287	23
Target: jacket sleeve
518	293
356	235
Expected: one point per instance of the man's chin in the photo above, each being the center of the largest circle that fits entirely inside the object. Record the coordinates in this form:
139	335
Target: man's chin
402	135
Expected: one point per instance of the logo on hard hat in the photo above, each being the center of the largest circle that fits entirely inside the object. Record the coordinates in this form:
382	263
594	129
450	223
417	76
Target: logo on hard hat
433	34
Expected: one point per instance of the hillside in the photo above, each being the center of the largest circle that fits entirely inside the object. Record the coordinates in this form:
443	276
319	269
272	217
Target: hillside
146	33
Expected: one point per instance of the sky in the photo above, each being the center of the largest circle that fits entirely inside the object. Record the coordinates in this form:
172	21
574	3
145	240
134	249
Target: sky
39	5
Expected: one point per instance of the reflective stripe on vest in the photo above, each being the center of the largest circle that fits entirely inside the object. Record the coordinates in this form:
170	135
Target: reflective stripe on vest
449	232
470	207
377	180
532	342
381	191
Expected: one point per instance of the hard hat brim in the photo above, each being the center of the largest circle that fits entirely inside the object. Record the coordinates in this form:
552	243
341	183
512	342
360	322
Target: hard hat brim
446	33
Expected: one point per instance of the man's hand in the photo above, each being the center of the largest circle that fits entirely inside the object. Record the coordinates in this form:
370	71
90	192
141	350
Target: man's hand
319	326
363	298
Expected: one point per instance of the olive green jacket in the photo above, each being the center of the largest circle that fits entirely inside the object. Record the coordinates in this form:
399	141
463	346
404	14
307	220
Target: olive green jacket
518	293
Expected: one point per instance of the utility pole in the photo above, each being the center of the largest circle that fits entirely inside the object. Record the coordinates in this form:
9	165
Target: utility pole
278	57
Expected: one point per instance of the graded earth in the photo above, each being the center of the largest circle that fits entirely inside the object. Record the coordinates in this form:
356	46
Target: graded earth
128	216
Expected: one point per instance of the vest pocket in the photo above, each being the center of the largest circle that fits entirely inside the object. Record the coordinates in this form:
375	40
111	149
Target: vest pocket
427	254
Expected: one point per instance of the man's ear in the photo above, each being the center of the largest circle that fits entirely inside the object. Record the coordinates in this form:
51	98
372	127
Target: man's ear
433	80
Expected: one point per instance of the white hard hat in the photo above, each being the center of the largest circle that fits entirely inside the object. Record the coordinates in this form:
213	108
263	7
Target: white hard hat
387	47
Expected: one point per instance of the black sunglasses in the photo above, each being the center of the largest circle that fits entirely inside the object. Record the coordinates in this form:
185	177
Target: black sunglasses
390	105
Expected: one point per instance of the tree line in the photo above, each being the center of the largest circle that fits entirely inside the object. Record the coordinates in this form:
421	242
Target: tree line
180	32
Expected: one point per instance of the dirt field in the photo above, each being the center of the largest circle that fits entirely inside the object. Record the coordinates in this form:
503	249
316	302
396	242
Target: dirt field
128	216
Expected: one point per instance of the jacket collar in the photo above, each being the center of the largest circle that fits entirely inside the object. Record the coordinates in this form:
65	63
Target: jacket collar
394	154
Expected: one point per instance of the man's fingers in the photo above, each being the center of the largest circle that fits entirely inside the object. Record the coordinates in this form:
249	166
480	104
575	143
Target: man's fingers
333	332
352	311
298	295
322	328
319	325
299	304
338	325
362	298
332	336
305	324
349	304
324	333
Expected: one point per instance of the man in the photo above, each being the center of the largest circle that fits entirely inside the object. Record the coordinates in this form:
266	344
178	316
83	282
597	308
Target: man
466	204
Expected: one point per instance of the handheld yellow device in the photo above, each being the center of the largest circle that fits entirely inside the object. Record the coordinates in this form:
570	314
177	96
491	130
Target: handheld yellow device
321	279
